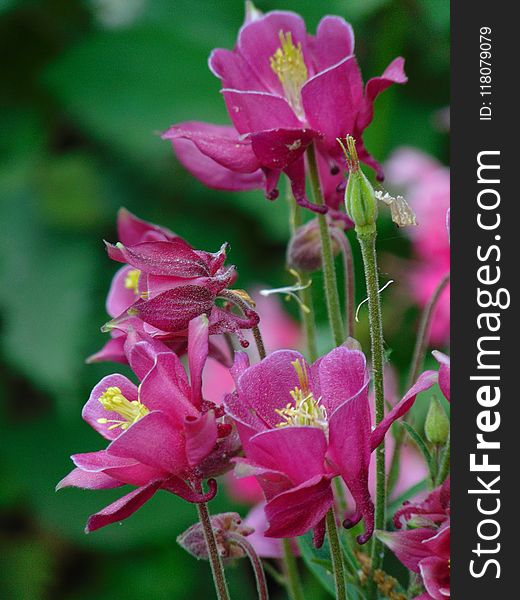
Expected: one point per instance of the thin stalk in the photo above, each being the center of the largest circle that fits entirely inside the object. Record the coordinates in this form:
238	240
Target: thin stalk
444	467
261	584
245	307
421	345
336	555
348	268
307	317
217	568
367	242
294	586
329	273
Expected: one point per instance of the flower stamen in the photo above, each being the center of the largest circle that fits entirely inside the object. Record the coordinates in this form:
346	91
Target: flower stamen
288	64
132	280
113	400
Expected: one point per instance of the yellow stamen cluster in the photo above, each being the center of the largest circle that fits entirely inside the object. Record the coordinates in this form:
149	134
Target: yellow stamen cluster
305	409
288	64
113	400
132	281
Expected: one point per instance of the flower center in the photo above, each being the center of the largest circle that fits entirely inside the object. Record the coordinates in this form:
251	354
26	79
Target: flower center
113	400
288	64
306	410
132	280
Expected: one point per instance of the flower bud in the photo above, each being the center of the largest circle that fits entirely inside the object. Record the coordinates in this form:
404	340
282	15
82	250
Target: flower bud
437	425
304	249
360	199
192	540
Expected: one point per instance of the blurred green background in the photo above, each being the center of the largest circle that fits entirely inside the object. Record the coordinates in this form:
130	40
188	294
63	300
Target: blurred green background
85	88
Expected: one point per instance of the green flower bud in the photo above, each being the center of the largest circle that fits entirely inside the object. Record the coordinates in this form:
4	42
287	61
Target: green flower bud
360	199
437	425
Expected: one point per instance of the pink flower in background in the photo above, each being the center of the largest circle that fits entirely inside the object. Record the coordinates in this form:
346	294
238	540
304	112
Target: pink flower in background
162	433
426	184
284	89
301	425
433	510
266	547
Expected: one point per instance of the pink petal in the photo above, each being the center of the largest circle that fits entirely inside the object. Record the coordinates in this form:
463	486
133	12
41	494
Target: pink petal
154	441
294	512
299	452
296	174
265	547
119	297
201	437
407	545
252	112
435	573
142	351
220	143
332	99
93	409
439	544
112	351
425	381
277	148
198	339
132	230
333	42
122	508
259	40
88	481
241	412
234	72
210	172
444	372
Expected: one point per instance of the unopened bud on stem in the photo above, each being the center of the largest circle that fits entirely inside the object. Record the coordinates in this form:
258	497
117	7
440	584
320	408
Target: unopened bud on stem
437	425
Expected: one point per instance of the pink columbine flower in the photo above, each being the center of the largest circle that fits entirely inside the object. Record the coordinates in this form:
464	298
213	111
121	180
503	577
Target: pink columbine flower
301	425
284	89
164	284
162	433
427	186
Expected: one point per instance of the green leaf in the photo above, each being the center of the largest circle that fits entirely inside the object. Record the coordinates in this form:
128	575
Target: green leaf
318	560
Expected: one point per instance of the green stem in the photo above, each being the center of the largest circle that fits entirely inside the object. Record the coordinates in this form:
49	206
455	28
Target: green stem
367	241
307	316
336	554
261	584
348	268
294	586
444	467
217	569
329	273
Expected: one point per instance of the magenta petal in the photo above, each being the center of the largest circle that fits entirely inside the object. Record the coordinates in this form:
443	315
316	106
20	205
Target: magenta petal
132	230
164	388
435	573
154	441
241	412
112	351
277	148
87	480
258	40
266	386
198	339
172	258
425	381
342	374
210	172
252	112
142	350
331	100
439	544
174	309
234	72
93	409
444	373
333	42
299	452
218	142
296	174
120	298
407	545
201	437
294	512
122	508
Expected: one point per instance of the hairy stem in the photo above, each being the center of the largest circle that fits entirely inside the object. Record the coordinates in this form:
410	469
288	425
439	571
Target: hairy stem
294	586
336	555
329	273
261	584
444	467
348	268
217	568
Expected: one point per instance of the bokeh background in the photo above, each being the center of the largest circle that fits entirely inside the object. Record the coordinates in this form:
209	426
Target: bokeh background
85	87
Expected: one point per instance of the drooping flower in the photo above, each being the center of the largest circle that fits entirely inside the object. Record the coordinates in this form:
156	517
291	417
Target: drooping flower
164	284
433	510
427	187
301	425
284	89
163	434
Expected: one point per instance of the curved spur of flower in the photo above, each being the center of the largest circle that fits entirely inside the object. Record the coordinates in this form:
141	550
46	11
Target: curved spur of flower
162	434
164	284
284	89
425	551
444	373
433	510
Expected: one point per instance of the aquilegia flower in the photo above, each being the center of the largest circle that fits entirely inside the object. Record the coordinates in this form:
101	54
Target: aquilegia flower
162	433
284	89
164	284
301	425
